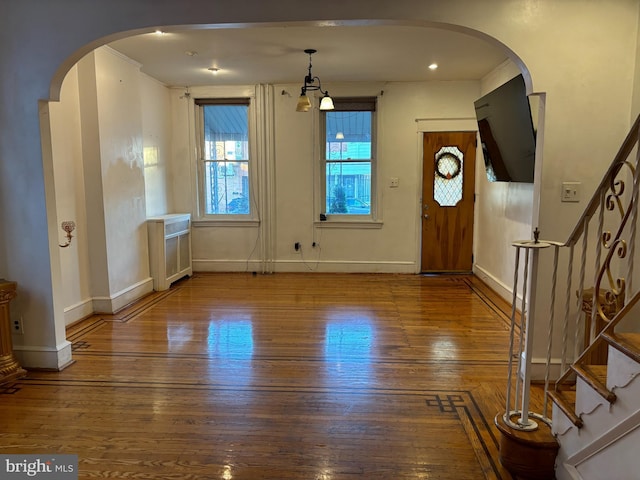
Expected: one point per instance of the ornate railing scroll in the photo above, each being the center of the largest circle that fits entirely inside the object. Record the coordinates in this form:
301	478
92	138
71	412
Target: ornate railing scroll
614	209
605	234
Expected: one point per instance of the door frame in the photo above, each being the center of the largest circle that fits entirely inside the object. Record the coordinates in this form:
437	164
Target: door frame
427	125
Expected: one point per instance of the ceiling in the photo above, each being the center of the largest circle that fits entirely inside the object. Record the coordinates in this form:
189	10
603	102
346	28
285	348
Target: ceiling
275	54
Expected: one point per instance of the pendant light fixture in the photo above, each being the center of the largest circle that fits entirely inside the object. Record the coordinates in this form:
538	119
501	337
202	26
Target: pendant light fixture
312	83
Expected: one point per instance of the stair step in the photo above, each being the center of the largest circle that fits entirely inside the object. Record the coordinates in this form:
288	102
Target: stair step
627	343
596	378
566	400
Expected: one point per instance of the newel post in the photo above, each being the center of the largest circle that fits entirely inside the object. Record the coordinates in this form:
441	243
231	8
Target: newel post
527	447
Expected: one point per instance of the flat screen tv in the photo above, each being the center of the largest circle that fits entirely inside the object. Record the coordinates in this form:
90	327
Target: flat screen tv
507	133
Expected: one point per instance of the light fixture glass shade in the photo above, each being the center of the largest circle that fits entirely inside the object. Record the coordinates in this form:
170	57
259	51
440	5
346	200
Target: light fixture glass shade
339	136
304	104
326	103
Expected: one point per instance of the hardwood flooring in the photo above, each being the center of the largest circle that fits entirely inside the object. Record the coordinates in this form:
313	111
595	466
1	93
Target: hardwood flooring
284	376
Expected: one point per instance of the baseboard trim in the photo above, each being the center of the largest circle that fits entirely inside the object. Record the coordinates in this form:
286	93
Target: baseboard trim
122	298
77	312
44	358
539	369
307	265
496	285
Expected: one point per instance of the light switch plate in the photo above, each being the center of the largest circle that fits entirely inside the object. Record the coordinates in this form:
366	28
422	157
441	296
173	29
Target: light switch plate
571	191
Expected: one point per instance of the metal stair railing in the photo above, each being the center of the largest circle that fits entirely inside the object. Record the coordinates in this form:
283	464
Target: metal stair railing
607	257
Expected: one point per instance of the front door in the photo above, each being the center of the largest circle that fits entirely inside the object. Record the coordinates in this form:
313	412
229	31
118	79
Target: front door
448	181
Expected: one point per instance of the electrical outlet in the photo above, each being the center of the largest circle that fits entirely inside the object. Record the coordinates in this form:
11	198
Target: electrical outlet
17	326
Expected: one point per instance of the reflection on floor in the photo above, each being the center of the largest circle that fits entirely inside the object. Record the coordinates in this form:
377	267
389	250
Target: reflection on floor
285	376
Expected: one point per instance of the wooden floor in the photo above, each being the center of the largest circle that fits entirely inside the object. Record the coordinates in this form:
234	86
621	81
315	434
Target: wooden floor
285	376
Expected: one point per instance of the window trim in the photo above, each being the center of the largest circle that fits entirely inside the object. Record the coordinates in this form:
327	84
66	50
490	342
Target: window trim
350	103
203	218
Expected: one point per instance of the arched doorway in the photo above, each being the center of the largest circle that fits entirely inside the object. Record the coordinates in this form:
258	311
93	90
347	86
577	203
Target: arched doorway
236	32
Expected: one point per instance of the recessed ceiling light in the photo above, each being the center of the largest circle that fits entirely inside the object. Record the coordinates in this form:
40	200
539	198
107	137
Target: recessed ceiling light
159	32
214	70
433	66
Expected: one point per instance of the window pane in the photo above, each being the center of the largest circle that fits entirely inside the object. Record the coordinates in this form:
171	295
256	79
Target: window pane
348	135
348	189
226	187
226	155
348	162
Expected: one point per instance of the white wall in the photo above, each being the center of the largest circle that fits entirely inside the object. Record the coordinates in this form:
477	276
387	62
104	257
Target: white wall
569	48
155	105
69	177
504	211
97	162
391	244
121	155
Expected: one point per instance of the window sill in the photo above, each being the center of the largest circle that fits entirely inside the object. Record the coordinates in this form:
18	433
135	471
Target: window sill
348	223
230	222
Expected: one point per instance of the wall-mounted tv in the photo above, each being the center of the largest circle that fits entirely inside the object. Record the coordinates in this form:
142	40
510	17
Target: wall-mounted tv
507	133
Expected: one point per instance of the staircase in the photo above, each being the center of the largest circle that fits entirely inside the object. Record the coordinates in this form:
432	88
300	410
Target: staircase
595	416
596	421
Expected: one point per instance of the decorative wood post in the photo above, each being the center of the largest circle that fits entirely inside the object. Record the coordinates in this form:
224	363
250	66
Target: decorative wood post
9	367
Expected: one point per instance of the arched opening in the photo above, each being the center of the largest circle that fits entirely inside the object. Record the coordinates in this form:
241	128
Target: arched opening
127	160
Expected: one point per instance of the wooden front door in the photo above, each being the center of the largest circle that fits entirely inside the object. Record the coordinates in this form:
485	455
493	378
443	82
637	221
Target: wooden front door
448	180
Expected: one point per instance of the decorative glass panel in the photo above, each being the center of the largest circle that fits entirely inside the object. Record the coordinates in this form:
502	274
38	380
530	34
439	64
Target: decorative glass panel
447	181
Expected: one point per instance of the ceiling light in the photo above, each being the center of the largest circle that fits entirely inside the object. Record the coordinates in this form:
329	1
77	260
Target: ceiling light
159	32
214	70
304	104
433	66
191	53
312	83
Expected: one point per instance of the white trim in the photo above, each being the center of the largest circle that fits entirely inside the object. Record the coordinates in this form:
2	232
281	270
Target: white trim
570	470
374	163
122	298
206	265
78	311
615	434
336	266
306	265
50	358
264	124
495	284
124	58
253	223
539	366
347	223
254	109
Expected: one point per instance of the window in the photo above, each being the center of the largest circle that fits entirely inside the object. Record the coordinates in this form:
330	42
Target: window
349	152
224	156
